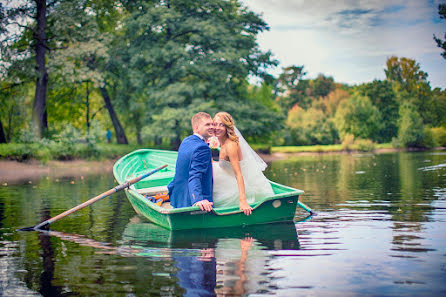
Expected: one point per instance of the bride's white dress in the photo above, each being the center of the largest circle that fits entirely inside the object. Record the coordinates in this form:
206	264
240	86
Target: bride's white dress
225	189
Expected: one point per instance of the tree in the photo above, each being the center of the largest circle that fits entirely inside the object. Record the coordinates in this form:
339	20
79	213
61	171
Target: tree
406	72
13	107
329	104
293	87
384	98
310	126
34	40
358	116
322	86
64	40
410	83
441	43
184	56
410	126
438	108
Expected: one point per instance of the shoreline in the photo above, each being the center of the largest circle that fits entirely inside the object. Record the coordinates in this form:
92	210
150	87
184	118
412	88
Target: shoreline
14	172
281	156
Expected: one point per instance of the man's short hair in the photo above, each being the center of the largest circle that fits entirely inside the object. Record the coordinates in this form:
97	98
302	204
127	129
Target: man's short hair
196	119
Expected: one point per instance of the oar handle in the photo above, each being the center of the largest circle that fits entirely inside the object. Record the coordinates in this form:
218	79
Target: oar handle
99	197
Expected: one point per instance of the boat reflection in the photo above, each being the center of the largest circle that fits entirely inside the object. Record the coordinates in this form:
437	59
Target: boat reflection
270	236
222	262
219	262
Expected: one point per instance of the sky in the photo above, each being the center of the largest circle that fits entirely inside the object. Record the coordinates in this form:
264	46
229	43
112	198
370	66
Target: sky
351	40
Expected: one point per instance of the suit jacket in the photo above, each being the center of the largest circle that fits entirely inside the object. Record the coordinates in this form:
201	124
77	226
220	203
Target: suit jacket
193	173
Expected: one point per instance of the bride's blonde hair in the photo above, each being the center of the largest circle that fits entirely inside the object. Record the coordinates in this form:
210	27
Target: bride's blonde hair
229	123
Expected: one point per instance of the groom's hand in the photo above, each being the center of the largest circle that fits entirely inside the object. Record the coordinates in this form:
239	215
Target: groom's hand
204	205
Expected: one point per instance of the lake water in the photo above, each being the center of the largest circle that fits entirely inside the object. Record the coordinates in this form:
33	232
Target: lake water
379	231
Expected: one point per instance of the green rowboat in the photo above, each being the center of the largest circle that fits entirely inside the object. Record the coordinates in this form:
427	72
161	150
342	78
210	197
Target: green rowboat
281	207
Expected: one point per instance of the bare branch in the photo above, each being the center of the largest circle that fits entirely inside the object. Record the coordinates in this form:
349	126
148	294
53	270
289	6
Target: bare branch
22	26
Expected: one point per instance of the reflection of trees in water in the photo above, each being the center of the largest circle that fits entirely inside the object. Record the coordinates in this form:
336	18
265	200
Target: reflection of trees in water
209	263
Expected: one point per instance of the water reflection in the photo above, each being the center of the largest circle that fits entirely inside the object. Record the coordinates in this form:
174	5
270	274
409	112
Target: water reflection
226	262
222	262
380	230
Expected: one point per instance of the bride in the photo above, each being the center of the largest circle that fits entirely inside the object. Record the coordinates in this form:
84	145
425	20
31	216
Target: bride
238	176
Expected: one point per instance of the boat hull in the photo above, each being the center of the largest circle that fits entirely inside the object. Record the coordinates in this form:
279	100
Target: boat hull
269	211
280	207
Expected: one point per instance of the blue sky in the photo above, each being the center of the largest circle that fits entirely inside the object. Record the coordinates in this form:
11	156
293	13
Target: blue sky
351	40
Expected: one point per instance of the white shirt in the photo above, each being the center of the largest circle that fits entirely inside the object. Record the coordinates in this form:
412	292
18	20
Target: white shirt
201	137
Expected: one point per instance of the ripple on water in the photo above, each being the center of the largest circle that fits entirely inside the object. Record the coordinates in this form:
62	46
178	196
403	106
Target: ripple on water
433	167
10	285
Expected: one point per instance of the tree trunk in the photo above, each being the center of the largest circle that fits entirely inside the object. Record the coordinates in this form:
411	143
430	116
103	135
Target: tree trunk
176	141
39	106
119	131
138	135
158	140
87	103
2	133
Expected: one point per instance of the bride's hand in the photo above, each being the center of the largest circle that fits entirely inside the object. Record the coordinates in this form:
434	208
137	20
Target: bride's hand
245	207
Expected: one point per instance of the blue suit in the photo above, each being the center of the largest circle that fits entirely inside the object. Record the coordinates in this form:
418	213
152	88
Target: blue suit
193	173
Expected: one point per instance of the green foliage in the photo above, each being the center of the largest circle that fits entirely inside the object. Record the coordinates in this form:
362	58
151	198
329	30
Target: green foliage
28	135
162	61
347	142
437	108
322	86
384	98
310	126
358	116
407	72
298	91
410	127
441	43
364	145
428	138
293	87
180	56
411	85
51	150
329	104
439	136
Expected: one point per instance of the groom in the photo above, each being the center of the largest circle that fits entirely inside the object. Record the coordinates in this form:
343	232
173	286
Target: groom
192	184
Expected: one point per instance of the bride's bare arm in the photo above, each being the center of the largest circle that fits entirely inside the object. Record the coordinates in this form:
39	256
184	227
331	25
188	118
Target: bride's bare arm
232	152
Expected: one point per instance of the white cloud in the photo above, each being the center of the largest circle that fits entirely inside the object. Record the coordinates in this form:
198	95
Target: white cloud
351	40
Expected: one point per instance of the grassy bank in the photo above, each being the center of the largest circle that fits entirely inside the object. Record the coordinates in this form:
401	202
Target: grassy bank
328	148
62	151
59	151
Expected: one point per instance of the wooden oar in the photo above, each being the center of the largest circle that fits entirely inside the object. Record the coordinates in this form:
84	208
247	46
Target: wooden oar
93	200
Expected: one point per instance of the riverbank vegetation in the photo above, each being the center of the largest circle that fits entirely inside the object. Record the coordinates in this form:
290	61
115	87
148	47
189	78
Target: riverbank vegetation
134	72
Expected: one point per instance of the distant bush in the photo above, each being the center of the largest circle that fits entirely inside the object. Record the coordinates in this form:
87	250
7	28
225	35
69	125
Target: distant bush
347	142
51	150
364	145
410	127
428	138
439	136
262	148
